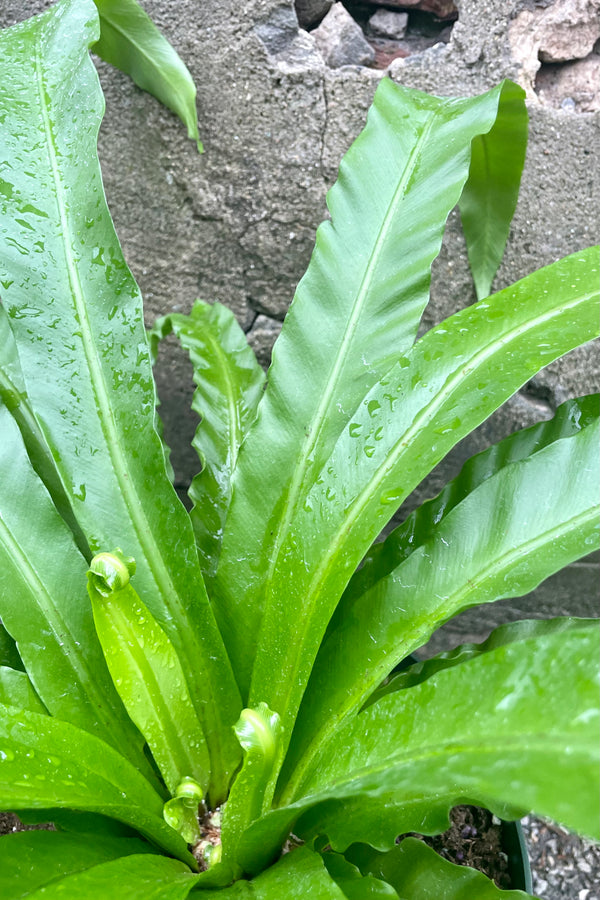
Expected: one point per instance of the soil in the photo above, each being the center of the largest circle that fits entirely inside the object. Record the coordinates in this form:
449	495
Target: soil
473	839
9	823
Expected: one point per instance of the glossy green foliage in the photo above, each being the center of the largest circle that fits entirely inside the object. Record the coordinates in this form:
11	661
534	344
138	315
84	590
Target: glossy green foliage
368	307
16	689
135	877
130	40
181	811
428	574
47	763
122	712
496	752
446	385
14	397
406	760
301	873
98	417
31	859
416	871
147	673
489	199
229	384
41	578
355	885
417	529
258	733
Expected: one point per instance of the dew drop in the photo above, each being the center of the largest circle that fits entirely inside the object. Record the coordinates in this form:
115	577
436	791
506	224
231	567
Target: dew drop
392	496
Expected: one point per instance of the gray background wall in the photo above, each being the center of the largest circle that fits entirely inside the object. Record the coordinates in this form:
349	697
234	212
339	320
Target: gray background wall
237	223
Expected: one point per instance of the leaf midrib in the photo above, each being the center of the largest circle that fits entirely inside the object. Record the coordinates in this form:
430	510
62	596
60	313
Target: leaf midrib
163	73
588	517
307	449
546	742
37	589
402	445
147	680
426	624
110	432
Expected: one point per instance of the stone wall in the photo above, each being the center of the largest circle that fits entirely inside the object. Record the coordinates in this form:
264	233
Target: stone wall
277	111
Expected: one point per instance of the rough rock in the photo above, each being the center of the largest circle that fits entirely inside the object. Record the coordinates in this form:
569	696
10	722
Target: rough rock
565	30
310	12
568	30
573	86
388	24
261	338
563	865
443	9
341	40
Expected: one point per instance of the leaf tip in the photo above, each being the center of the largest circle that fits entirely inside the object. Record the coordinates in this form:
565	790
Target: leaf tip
181	811
111	572
258	729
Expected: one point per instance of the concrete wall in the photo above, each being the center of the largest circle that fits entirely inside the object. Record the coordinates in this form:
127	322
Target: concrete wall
237	224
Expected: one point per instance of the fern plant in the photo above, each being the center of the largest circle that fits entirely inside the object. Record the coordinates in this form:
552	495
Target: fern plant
206	702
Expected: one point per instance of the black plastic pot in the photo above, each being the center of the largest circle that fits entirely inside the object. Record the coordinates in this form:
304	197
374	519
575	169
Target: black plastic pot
515	847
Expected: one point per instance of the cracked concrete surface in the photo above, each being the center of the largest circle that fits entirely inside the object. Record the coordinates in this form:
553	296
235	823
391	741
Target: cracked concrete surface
237	224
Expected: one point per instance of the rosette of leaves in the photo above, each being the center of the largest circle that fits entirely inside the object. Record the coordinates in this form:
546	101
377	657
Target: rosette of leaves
202	702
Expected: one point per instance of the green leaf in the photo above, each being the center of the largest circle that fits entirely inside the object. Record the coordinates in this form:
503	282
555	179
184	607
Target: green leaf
418	872
43	600
17	690
505	634
146	672
300	873
181	811
14	396
130	40
513	530
356	310
421	525
495	728
257	731
229	384
145	877
489	199
31	859
76	315
453	378
47	763
354	885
